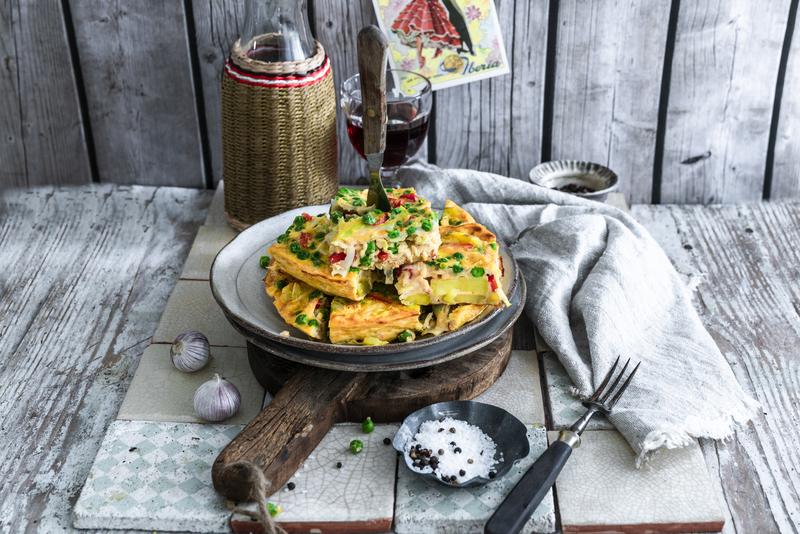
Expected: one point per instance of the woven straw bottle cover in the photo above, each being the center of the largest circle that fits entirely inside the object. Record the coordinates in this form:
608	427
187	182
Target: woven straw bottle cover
278	135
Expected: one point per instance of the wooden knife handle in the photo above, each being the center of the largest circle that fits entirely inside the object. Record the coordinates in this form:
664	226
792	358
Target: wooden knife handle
271	448
373	50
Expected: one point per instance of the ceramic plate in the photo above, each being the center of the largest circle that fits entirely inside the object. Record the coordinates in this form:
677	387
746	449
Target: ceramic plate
236	282
450	349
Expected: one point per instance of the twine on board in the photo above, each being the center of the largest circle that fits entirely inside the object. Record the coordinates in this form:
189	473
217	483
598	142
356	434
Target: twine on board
259	495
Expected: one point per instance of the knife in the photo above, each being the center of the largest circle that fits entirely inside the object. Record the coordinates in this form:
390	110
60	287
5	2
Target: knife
372	50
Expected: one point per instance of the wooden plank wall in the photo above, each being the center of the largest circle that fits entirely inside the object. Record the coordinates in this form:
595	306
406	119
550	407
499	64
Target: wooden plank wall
690	102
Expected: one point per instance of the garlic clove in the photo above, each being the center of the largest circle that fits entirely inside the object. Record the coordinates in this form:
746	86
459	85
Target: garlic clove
190	351
216	400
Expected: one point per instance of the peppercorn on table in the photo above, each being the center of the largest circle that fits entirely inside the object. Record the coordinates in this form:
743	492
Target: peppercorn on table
97	418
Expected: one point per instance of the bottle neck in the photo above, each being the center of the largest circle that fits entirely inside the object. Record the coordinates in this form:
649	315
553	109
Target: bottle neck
277	30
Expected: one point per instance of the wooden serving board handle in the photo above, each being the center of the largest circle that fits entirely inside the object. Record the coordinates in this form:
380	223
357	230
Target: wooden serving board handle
271	448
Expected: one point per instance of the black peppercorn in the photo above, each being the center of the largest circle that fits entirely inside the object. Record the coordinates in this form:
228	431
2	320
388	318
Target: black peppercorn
453	443
441	452
457	450
290	486
470	461
441	430
461	472
338	465
452	430
387	441
492	474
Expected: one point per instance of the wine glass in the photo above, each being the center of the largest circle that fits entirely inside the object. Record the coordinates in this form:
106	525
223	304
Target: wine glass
408	110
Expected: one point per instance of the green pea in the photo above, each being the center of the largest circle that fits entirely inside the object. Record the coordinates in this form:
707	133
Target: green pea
283	237
393	234
301	319
397	211
273	509
303	254
457	268
368	218
393	248
427	225
335	217
458	256
316	254
357	202
477	272
493	245
263	261
404	336
365	261
411	230
294	247
313	322
371	246
356	446
367	425
280	284
354	269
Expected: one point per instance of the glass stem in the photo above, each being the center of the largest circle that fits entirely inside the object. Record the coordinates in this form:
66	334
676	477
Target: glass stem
389	177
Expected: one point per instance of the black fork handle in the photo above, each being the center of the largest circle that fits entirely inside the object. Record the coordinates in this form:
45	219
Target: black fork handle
520	503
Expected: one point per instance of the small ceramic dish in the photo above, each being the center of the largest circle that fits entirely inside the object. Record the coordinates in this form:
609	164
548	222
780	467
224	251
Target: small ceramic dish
580	178
507	432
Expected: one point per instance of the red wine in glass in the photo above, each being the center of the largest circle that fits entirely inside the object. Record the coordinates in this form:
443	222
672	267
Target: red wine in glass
405	132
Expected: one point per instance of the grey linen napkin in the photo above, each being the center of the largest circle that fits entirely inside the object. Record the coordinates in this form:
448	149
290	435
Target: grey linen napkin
599	286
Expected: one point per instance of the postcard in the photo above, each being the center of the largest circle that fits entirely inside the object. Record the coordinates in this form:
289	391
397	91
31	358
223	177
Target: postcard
449	41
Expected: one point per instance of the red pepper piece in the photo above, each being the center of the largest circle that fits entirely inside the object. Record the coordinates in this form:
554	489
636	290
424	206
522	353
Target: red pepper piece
336	257
492	282
305	239
382	255
307	217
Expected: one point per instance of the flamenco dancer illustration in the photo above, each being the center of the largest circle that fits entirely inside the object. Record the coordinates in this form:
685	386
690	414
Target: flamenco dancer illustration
436	24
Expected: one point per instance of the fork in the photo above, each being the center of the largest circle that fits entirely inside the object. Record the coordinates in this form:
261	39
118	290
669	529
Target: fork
519	504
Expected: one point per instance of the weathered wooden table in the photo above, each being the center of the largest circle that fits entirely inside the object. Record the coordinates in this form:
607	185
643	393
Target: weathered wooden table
85	273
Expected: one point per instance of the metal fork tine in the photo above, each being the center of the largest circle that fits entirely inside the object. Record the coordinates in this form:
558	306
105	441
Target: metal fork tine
622	388
613	386
599	390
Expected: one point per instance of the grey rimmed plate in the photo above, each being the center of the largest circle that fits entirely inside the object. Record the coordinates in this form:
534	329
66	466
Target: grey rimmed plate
508	433
236	283
451	349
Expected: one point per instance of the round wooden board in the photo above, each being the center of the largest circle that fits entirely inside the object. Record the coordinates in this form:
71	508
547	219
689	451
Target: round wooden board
390	396
308	401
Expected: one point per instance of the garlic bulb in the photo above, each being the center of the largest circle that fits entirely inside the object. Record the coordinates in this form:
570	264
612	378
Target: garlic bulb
189	351
216	400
